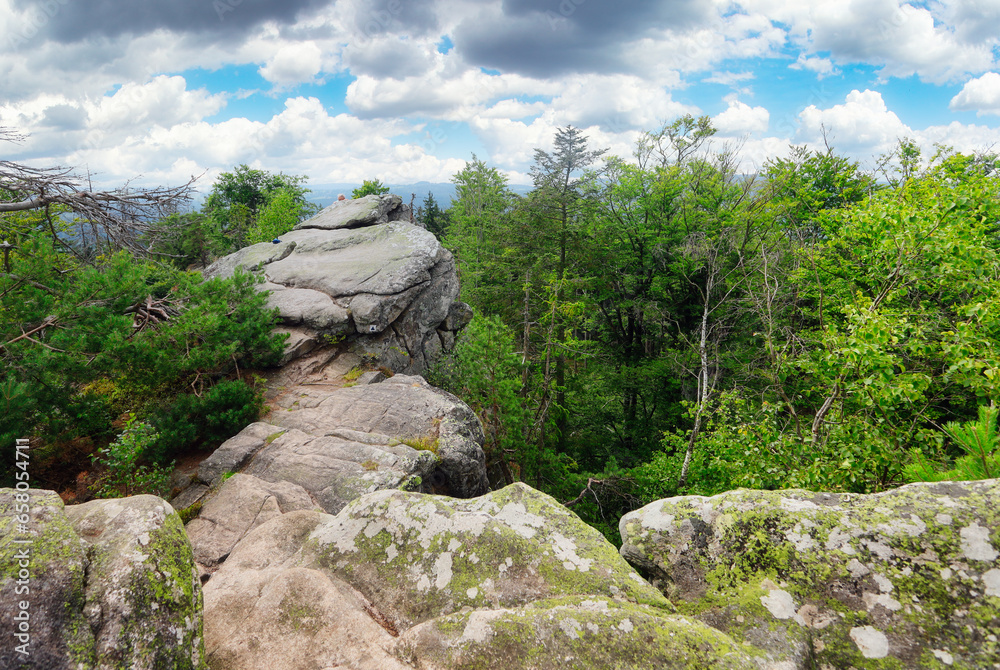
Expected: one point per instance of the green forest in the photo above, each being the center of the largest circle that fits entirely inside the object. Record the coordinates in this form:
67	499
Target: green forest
646	326
667	324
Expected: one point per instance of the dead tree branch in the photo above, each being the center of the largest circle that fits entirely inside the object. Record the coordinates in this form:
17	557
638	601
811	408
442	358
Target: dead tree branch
120	218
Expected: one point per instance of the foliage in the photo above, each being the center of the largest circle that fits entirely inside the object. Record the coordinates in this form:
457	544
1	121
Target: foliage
978	439
239	199
188	239
124	473
74	345
191	420
370	187
433	217
483	204
484	370
669	325
279	215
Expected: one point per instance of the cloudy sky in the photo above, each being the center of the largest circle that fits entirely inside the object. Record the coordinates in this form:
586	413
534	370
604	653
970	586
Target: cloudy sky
408	90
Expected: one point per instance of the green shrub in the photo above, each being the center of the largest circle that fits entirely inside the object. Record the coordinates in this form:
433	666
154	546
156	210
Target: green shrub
207	420
123	474
978	439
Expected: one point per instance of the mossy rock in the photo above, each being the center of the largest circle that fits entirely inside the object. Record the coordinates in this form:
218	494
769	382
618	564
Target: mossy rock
143	581
909	578
112	584
573	633
418	556
53	584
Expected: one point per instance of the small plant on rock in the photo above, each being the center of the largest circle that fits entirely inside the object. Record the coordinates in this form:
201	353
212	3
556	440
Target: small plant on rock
123	475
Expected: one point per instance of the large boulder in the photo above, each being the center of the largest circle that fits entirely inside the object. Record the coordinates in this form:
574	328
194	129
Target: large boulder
906	578
408	580
43	585
339	444
400	409
109	584
418	557
360	270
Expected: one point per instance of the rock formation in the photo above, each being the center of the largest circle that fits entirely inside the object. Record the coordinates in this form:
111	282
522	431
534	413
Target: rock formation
907	578
402	580
765	580
106	584
360	270
322	447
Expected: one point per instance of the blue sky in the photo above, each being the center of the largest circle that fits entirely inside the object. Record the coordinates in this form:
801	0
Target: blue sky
407	90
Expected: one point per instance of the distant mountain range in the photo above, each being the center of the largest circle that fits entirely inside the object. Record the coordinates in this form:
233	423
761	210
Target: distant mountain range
326	194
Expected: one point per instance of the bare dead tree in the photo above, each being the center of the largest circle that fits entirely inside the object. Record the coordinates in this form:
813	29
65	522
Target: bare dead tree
118	219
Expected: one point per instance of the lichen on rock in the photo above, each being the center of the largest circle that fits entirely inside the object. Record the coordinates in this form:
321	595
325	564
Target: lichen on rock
417	557
113	585
572	633
896	579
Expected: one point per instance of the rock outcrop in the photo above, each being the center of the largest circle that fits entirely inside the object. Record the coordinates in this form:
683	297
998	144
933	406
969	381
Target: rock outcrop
361	271
403	580
906	578
107	584
322	447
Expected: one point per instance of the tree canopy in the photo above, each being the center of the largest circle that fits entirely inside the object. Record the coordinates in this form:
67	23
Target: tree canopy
808	326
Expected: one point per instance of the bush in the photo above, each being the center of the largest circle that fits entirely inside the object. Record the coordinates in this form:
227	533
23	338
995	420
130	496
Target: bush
370	187
123	475
207	420
978	439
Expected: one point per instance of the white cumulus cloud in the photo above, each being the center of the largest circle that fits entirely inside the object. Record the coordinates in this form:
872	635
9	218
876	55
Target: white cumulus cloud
741	118
293	64
981	95
863	124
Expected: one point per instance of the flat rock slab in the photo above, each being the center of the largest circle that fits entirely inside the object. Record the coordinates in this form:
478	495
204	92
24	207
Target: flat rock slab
335	471
331	470
359	212
384	259
906	578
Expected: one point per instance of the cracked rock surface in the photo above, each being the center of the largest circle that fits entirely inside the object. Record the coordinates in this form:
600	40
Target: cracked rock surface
360	270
